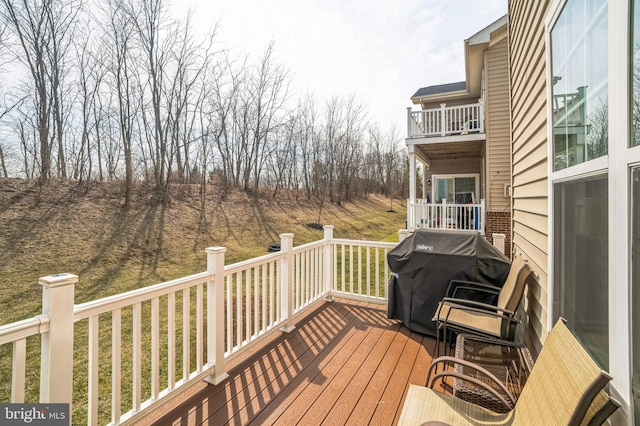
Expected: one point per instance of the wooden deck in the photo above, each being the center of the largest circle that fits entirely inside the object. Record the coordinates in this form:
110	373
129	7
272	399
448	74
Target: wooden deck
345	363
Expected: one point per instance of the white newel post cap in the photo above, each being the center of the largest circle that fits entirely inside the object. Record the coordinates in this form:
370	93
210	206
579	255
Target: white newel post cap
58	280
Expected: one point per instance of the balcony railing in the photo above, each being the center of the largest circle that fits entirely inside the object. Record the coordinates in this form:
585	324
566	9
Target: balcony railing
207	319
470	217
446	120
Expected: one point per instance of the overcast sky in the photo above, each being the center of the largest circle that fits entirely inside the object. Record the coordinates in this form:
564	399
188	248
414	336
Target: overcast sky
380	50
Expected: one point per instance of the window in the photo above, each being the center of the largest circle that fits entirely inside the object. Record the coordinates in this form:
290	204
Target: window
579	83
635	288
581	253
635	85
456	189
579	149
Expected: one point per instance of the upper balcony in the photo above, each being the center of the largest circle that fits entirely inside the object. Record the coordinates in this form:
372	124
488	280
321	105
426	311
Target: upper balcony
446	121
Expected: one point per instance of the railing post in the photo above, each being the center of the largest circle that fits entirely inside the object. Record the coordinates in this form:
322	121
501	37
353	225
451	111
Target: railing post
56	378
412	188
483	215
443	120
402	234
286	282
444	217
328	261
215	314
481	117
408	122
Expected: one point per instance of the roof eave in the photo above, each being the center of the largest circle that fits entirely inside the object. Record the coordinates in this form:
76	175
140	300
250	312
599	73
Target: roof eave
439	96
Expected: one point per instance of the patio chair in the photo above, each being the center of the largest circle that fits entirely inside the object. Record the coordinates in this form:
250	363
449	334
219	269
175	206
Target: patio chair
565	387
462	315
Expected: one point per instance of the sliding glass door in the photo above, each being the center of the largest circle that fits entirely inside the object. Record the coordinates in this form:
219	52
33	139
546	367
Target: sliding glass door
461	189
635	288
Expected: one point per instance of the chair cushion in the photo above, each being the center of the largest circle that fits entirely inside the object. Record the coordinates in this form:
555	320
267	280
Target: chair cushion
426	405
471	321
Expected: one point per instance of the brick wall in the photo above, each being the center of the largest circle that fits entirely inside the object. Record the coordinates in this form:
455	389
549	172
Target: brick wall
500	223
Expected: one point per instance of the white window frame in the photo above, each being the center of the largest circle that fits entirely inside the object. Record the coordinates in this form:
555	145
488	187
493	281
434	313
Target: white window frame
476	176
617	165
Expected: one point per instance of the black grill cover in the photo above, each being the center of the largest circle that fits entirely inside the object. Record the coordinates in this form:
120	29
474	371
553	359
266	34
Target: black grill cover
425	262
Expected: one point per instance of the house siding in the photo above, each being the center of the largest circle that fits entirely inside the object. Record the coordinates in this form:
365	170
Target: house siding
498	150
529	157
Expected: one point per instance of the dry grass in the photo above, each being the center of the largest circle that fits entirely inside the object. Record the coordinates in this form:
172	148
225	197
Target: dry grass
85	231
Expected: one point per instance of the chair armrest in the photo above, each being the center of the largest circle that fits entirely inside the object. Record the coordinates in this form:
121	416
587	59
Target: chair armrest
503	314
493	340
472	305
470	285
451	361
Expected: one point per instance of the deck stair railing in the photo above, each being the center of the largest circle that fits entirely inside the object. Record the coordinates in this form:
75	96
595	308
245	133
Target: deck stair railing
140	349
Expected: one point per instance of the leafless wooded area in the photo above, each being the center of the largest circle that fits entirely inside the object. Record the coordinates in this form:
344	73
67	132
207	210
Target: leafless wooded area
122	90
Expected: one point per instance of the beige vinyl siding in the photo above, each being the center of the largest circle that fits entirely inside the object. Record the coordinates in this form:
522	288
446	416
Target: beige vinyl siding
498	149
529	159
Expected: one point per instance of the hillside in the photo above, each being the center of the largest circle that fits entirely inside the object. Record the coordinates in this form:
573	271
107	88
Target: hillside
84	230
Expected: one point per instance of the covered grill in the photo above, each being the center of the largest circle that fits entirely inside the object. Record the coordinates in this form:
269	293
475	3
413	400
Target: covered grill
424	264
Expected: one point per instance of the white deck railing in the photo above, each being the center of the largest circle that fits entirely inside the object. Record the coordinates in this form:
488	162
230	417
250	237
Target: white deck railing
444	121
135	362
470	217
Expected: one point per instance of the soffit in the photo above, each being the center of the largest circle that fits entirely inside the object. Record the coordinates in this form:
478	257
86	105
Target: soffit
452	151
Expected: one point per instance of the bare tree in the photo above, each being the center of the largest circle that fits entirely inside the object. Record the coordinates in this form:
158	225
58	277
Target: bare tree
191	60
156	37
269	92
42	31
118	33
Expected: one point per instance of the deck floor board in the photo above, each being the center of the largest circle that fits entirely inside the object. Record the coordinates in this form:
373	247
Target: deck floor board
344	363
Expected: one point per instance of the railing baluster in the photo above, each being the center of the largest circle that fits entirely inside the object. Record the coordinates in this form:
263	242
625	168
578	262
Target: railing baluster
301	283
239	323
18	370
171	340
368	271
318	271
313	274
155	348
295	282
359	259
272	295
199	326
186	334
136	376
229	297
94	362
377	272
351	268
334	273
263	287
344	268
116	370
256	301
247	308
305	276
